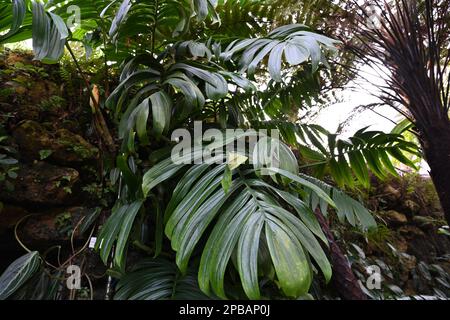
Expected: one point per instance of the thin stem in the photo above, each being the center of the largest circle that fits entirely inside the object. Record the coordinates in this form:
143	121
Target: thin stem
154	27
17	236
105	59
99	120
86	82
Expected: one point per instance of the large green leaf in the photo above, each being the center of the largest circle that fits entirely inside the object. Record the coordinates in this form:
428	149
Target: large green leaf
48	41
157	279
242	212
125	227
293	42
345	206
117	230
351	158
161	111
292	267
18	273
19	8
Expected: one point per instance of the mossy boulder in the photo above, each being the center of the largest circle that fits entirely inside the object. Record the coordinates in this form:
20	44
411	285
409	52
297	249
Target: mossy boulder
27	86
73	147
411	207
395	218
14	57
42	184
43	90
62	147
53	225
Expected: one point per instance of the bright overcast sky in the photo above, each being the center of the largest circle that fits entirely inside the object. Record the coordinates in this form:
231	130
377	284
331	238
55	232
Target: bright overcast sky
361	94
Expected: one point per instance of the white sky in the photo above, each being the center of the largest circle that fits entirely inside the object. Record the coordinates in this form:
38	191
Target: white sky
333	115
361	94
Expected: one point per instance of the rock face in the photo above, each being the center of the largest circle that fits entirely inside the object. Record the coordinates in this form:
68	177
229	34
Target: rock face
54	225
48	131
411	206
425	245
53	156
407	246
42	184
392	193
24	85
395	218
62	147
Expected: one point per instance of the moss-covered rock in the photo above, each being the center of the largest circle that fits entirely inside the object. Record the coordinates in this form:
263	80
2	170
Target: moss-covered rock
62	147
411	206
73	147
394	218
53	225
42	184
25	85
31	137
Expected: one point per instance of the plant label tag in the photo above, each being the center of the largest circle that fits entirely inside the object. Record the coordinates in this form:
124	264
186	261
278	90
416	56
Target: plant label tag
92	242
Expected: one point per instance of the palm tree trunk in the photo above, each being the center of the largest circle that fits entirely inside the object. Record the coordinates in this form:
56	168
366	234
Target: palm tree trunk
343	278
436	147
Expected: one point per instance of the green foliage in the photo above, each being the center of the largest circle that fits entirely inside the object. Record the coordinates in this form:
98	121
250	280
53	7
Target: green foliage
240	225
156	279
53	103
251	217
294	42
349	161
8	164
63	223
18	273
36	71
379	236
346	207
12	21
43	285
117	230
44	154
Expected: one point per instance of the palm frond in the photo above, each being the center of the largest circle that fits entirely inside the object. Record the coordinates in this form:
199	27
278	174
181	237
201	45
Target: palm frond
117	230
346	207
349	160
158	279
249	215
293	42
